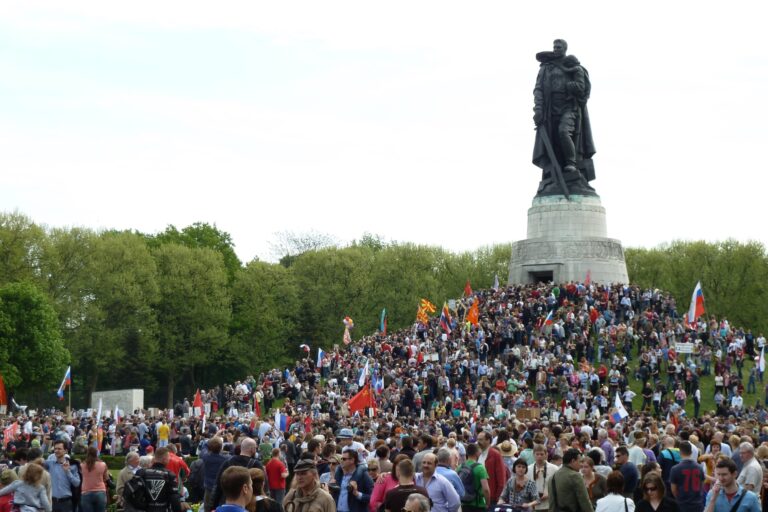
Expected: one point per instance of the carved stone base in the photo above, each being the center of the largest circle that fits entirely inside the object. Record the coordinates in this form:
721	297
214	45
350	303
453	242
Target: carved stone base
567	239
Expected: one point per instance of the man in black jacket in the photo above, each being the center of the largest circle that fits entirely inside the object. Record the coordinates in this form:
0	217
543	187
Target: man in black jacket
162	488
246	459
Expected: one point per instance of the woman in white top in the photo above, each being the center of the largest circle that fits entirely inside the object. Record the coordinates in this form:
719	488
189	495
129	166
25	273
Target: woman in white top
615	502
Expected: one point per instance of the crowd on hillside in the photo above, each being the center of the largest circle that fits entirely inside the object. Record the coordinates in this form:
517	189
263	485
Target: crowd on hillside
542	378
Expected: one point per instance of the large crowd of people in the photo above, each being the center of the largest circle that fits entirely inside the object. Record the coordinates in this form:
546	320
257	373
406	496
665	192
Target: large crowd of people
537	397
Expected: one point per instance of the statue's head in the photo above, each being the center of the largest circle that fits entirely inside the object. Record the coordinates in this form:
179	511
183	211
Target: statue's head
559	46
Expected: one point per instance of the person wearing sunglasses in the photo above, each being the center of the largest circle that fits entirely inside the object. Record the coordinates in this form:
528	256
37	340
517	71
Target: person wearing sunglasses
654	496
353	487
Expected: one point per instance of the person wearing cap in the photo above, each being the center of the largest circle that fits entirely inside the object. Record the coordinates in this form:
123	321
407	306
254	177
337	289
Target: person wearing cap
346	440
350	485
306	494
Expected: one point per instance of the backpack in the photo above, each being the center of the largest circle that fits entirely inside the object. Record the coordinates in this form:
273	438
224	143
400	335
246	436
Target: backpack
467	476
135	493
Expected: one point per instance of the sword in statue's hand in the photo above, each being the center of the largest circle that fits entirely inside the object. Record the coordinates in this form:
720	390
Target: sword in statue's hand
558	172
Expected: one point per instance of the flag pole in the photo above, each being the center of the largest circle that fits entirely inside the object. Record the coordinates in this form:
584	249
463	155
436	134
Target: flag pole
69	413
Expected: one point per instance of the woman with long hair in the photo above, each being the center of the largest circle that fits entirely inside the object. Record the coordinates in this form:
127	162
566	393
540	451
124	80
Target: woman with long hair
520	491
94	483
645	470
260	502
654	498
597	487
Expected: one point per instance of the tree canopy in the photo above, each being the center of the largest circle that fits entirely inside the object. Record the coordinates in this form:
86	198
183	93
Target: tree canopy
177	310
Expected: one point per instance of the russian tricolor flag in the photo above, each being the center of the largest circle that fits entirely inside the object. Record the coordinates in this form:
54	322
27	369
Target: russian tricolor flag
445	319
697	304
548	320
620	413
378	384
64	383
282	421
320	356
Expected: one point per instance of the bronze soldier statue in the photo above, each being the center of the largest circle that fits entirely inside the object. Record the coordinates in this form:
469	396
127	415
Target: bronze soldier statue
560	114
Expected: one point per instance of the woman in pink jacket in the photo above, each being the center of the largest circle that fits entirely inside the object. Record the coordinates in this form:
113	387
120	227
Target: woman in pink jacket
385	482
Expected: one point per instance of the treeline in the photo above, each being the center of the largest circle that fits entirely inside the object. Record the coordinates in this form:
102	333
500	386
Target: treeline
733	276
177	310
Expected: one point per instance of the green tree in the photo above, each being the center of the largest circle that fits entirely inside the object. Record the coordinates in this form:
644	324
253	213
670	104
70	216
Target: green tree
265	309
20	248
731	274
401	275
199	235
32	351
106	298
334	283
193	312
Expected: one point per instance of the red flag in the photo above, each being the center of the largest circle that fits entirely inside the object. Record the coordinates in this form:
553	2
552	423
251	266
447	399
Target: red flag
308	424
362	400
257	407
467	289
3	396
10	432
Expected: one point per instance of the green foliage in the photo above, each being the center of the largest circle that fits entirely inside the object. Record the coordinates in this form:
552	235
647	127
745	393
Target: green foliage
362	279
732	275
265	311
199	235
20	248
193	312
32	351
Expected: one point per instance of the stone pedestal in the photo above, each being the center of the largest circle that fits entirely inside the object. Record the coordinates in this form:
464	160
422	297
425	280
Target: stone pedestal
567	239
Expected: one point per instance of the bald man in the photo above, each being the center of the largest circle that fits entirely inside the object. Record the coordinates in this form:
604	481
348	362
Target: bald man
246	459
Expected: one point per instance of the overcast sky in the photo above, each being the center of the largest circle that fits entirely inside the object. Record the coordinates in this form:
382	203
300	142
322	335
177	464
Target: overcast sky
411	120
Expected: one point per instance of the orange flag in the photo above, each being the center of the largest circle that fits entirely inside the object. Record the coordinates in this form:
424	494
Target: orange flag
467	289
473	315
362	400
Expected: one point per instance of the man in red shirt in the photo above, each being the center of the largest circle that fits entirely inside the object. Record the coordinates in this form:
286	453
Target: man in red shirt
176	465
494	464
277	473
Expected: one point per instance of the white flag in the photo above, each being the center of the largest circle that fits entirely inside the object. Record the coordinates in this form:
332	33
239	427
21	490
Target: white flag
363	375
621	412
761	363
